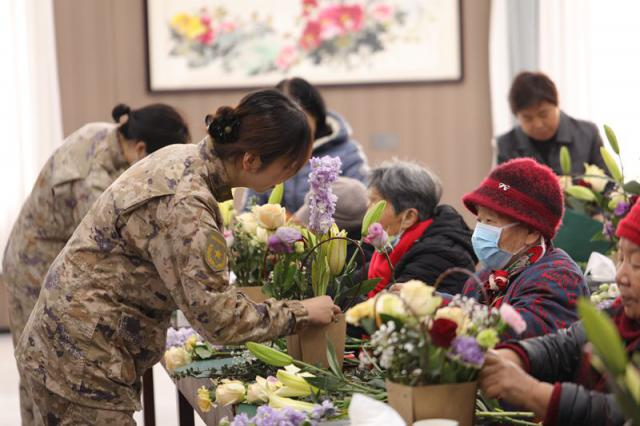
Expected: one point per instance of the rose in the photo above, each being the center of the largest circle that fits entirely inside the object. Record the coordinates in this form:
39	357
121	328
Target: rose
390	305
191	342
230	392
488	338
456	315
270	216
360	311
204	399
248	222
420	297
512	318
376	236
176	357
596	177
442	332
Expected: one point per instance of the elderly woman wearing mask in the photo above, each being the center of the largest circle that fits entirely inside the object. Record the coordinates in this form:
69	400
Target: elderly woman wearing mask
519	208
551	375
427	238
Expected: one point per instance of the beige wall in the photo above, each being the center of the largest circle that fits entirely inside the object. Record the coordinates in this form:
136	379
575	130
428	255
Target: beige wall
101	60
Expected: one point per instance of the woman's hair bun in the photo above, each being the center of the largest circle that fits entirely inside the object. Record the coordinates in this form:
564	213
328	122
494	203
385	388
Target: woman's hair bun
224	127
120	110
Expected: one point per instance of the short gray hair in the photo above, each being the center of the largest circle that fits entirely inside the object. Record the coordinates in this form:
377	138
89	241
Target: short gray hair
407	185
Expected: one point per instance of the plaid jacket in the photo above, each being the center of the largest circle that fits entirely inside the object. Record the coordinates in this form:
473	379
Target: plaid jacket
545	294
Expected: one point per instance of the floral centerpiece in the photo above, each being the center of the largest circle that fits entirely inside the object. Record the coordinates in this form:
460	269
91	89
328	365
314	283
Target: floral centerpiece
605	197
430	347
311	261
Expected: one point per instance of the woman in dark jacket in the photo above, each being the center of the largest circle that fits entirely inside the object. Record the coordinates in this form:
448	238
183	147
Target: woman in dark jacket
551	375
427	238
332	136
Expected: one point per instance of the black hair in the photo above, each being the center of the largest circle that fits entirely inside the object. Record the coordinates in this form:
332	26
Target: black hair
157	125
311	101
529	89
266	123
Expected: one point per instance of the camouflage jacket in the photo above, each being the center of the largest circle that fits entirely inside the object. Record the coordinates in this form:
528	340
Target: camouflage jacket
75	175
150	244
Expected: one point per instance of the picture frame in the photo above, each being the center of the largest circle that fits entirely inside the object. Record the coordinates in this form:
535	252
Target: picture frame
205	45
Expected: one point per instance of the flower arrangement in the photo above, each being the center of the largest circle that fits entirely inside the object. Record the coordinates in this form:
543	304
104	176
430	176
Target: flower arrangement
249	237
185	346
420	341
312	261
594	193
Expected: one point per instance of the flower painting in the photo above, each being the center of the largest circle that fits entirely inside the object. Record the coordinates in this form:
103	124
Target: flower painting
195	44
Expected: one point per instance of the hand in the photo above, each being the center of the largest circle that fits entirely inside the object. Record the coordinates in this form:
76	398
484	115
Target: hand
321	310
502	377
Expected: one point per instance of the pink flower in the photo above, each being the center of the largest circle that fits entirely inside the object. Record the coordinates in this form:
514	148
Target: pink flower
227	27
512	318
351	17
207	36
377	236
228	237
310	36
308	6
286	57
381	12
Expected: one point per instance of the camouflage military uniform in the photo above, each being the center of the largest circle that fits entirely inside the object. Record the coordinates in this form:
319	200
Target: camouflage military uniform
150	244
73	178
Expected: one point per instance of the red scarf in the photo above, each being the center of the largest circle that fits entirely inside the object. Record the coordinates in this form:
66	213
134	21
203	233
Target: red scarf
379	266
629	331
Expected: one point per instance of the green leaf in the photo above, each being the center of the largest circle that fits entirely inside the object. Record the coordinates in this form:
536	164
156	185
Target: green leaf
327	383
581	193
276	194
269	355
365	287
373	215
565	161
203	352
612	165
333	360
632	187
613	140
604	337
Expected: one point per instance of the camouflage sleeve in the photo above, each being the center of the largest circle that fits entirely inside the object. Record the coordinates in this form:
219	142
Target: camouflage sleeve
190	255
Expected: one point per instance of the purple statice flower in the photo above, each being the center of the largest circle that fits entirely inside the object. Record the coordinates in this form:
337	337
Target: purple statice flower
178	337
240	420
621	209
325	410
283	240
322	200
295	417
468	350
608	230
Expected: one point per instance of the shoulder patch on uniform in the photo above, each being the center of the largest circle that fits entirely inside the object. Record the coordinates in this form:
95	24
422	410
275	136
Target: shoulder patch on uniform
215	253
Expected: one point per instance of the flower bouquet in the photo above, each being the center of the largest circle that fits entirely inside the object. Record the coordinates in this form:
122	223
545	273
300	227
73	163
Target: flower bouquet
605	198
311	261
250	232
427	347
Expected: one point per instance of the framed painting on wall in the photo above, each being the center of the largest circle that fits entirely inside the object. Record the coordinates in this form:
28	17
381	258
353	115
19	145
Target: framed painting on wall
205	44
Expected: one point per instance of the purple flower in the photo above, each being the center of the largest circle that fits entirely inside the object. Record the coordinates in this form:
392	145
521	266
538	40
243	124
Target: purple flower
608	230
240	420
468	350
283	240
178	337
294	417
322	200
377	236
621	209
324	411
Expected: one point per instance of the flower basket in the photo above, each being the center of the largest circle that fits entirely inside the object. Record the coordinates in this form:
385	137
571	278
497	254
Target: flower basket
254	293
310	344
454	401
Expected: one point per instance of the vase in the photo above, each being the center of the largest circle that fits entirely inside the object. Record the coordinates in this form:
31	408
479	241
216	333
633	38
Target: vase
254	293
310	345
454	401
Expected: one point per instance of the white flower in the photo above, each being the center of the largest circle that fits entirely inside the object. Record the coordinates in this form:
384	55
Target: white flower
420	297
176	357
248	222
591	176
230	392
270	216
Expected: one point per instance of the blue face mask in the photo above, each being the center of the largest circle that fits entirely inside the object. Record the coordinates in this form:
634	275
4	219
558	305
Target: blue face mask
485	241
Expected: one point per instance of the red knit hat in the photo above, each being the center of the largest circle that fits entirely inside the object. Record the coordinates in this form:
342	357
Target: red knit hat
629	227
523	190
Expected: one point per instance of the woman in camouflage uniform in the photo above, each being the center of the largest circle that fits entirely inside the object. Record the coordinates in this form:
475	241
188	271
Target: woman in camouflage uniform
149	245
77	173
